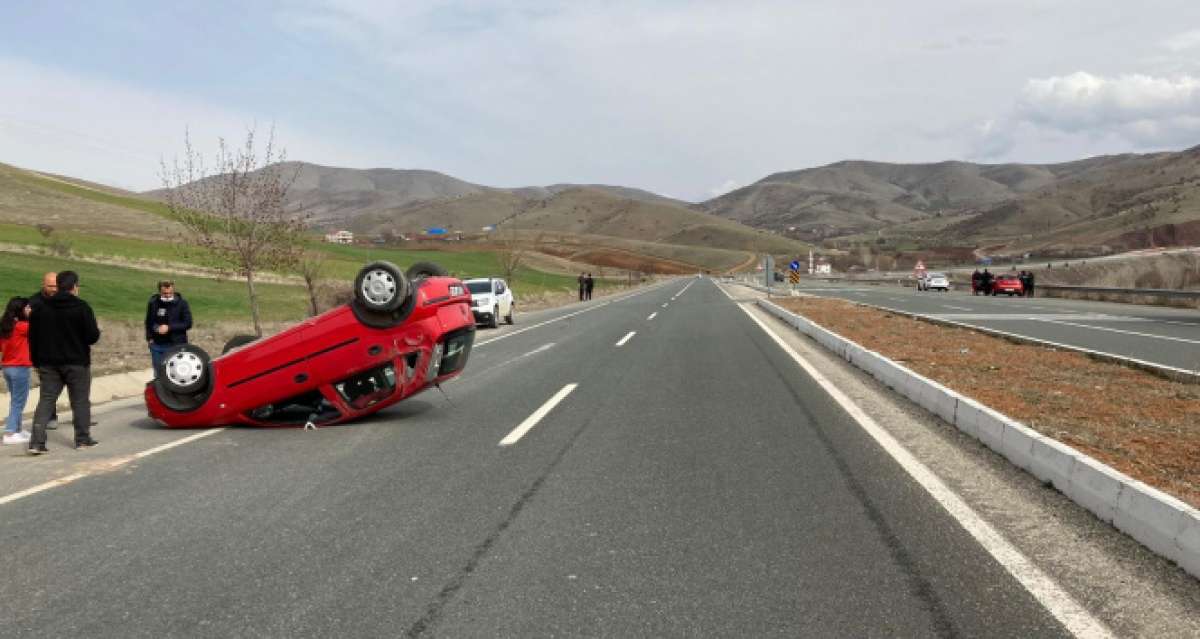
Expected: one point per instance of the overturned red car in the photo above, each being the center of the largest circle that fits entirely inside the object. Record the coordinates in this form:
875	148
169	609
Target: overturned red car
403	332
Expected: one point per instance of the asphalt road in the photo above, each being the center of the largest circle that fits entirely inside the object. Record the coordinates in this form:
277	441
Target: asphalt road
693	482
1159	335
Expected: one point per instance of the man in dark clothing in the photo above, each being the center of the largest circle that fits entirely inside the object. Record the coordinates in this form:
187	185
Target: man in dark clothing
582	287
61	334
589	284
986	280
975	282
1029	286
37	300
168	319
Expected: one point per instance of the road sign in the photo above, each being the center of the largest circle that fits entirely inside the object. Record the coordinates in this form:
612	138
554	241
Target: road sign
795	265
794	277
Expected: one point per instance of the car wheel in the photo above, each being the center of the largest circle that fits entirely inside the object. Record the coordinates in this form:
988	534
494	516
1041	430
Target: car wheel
508	318
238	341
421	270
381	287
184	370
495	321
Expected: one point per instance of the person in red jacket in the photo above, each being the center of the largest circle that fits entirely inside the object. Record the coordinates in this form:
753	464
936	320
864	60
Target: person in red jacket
14	359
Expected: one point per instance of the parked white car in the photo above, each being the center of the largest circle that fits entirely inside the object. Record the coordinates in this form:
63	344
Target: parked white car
491	299
934	282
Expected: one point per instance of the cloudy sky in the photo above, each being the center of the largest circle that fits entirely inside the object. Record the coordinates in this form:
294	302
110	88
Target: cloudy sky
687	98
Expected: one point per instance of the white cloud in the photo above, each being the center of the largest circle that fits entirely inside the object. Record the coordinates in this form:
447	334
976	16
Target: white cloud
1183	41
1142	112
725	187
106	131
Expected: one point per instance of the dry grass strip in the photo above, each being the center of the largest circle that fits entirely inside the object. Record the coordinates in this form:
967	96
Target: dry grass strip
1145	426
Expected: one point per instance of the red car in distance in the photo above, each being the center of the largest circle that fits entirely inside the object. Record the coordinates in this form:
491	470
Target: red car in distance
402	333
1010	284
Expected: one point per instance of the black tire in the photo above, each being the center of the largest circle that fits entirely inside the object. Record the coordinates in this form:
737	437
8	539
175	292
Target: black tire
238	341
495	321
381	287
508	318
421	270
185	370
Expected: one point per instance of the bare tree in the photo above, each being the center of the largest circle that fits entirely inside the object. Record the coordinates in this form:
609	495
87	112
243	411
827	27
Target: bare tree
513	251
234	211
311	266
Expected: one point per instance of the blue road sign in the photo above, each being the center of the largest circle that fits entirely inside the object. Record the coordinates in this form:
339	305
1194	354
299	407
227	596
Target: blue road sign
795	265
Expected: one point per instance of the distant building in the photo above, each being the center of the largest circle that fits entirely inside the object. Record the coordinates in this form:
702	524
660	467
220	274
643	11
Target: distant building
823	267
341	237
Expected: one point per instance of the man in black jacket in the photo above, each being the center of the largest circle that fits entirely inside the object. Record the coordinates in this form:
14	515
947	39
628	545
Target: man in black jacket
36	301
168	319
61	333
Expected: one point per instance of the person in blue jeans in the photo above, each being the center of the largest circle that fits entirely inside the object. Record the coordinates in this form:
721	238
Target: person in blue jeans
168	319
15	360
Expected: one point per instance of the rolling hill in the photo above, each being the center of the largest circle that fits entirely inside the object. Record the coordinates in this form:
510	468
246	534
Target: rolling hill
1090	205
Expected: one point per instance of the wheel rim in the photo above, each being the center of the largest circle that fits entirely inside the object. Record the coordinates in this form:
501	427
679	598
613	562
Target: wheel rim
184	369
379	287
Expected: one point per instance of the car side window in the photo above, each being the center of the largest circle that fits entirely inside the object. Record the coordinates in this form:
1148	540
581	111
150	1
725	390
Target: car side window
499	287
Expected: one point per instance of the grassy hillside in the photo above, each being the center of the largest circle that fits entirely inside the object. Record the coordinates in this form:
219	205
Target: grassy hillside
29	198
120	293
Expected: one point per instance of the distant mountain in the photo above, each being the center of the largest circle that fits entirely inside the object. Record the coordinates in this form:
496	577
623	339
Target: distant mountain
576	211
628	193
858	196
1085	205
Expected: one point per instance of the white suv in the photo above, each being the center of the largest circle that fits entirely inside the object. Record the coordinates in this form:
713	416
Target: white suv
491	299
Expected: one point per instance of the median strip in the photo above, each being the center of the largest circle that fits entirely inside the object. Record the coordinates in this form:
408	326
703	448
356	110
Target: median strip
1118	427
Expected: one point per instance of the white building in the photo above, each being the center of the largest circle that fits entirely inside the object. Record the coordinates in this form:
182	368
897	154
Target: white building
341	237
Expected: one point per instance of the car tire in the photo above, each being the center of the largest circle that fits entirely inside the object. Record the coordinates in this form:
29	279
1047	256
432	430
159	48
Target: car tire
184	370
508	319
495	321
421	270
238	341
381	287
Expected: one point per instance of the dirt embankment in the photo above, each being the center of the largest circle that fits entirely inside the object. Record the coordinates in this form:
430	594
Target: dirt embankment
1140	424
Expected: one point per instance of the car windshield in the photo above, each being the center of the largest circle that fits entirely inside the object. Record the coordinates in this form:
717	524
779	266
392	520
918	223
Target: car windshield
479	287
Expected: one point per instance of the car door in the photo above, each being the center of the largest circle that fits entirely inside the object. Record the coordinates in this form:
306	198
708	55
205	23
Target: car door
505	297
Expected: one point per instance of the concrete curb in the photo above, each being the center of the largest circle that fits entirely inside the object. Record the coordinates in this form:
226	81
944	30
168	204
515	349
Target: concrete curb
104	389
1157	520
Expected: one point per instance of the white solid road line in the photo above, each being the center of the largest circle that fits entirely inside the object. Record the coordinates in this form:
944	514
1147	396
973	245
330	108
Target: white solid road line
115	463
626	338
537	416
652	315
1069	613
956	308
1117	330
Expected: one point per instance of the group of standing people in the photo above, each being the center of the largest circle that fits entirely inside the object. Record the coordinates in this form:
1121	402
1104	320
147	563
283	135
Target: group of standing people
586	284
52	332
982	282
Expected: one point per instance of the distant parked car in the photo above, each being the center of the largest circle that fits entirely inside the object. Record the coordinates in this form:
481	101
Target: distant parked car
1009	284
933	282
491	299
